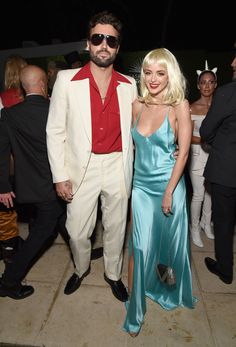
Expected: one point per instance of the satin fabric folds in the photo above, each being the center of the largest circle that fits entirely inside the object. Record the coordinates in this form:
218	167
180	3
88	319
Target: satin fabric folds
156	238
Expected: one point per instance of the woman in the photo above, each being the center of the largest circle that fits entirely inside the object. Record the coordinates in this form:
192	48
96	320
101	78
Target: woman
10	240
161	117
13	93
200	208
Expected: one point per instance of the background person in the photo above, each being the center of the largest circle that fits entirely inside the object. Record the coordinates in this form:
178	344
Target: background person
91	152
200	207
73	60
219	130
13	94
233	64
23	132
159	233
52	71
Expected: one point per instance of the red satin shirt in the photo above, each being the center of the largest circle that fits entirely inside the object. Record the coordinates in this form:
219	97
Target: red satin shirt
106	130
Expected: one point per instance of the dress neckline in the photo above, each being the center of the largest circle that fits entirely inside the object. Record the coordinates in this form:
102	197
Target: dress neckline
154	132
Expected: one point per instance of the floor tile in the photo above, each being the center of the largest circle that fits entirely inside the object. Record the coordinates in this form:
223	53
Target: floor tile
96	276
92	317
221	312
208	245
50	267
208	281
22	320
177	328
89	317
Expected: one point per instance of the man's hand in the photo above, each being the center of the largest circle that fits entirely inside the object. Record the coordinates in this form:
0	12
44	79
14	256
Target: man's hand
64	190
7	199
176	152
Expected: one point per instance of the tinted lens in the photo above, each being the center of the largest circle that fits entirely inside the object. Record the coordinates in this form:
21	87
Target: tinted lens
97	39
112	41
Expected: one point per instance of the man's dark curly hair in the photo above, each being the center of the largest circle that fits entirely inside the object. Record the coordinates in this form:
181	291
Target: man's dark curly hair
105	17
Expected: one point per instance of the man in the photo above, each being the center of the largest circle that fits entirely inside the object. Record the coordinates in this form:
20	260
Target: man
52	71
91	152
73	60
219	130
23	132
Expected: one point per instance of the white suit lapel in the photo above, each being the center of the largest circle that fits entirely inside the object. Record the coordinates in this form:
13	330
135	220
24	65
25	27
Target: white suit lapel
82	100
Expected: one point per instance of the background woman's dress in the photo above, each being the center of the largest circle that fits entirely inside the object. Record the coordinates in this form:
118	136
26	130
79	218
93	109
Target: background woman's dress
156	238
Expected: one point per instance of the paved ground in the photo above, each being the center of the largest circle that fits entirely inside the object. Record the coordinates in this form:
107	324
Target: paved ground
92	317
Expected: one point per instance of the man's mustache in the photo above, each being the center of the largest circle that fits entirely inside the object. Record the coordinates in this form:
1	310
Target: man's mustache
103	50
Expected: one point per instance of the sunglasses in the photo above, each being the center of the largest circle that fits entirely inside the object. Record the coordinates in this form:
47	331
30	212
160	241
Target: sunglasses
112	41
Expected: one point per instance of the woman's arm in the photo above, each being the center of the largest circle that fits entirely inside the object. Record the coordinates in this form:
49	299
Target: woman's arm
182	113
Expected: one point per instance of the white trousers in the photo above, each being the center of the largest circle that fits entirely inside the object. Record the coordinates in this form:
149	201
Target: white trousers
105	178
200	207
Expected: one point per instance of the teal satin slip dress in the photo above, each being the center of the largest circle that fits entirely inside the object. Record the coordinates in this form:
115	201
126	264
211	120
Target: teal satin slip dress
156	238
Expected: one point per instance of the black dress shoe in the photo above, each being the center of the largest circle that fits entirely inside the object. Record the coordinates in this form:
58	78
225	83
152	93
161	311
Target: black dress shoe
118	289
96	253
211	265
17	292
74	282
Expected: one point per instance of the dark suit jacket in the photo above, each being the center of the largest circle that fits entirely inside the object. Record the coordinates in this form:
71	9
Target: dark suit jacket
219	130
23	132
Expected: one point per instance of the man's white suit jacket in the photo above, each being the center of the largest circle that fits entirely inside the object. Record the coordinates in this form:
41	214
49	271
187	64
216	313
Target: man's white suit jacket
69	128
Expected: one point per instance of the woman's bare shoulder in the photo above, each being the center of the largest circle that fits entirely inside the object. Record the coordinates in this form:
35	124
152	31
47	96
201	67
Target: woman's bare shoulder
183	105
137	107
196	107
137	104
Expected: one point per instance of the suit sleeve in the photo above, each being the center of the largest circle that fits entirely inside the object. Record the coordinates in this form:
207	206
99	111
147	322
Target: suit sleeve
218	112
5	155
135	90
56	131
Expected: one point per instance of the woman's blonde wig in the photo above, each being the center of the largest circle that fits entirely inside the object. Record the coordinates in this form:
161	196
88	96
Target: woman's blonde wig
176	88
13	66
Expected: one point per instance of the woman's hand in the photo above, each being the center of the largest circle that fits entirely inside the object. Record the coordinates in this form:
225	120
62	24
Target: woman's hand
167	203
